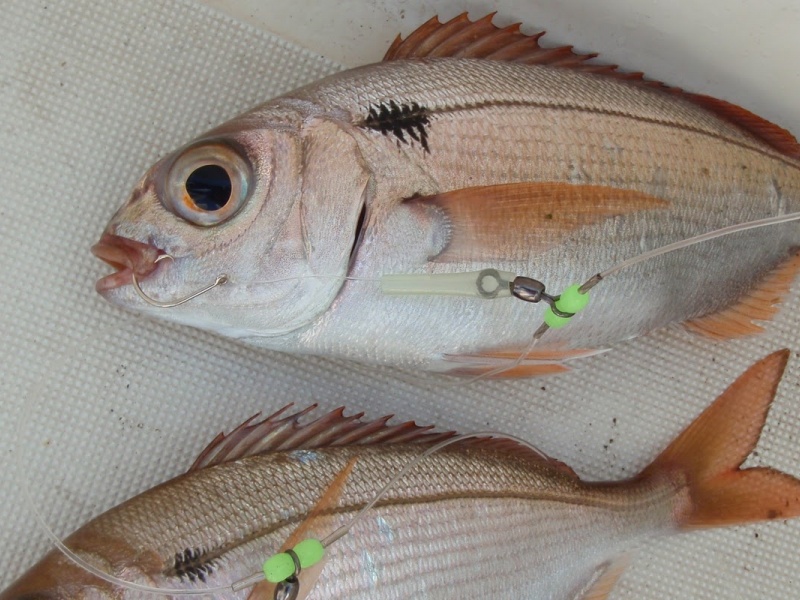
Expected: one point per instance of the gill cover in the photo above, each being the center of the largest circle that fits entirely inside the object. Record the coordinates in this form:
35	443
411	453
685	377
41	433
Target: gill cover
271	199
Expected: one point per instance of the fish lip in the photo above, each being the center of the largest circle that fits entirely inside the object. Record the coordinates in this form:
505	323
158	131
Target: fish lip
127	256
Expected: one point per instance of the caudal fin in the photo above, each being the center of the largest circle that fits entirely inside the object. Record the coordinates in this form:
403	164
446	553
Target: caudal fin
711	450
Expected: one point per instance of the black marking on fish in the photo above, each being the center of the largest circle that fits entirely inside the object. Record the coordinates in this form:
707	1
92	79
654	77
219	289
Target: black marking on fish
192	564
400	120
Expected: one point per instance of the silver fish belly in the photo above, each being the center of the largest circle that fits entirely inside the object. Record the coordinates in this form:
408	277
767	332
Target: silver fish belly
454	165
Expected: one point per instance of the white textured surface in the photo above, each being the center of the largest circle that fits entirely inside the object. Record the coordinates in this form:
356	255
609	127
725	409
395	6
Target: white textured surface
101	404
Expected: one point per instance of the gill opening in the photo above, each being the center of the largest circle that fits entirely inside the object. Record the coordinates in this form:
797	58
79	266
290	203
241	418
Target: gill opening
281	568
358	234
491	283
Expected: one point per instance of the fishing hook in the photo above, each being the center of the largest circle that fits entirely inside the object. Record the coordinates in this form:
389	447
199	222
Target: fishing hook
222	279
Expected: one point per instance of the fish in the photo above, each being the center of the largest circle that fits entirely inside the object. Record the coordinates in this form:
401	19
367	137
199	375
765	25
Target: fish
486	517
468	149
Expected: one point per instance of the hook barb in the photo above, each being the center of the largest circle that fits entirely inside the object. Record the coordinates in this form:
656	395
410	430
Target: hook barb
222	279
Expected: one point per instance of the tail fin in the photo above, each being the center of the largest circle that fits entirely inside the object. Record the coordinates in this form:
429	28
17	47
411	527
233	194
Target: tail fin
711	450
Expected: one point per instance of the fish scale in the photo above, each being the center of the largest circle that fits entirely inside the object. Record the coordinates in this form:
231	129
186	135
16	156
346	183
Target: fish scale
487	517
483	509
539	164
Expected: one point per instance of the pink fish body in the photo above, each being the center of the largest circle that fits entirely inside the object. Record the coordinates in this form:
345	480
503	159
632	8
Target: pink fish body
488	518
470	148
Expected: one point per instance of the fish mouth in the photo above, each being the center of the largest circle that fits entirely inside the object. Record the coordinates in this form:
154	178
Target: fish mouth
127	256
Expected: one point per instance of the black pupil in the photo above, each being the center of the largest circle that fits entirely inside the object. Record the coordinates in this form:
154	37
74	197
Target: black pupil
209	187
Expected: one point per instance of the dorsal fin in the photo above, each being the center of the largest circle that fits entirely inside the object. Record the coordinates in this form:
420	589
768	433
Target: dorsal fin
287	433
284	433
462	38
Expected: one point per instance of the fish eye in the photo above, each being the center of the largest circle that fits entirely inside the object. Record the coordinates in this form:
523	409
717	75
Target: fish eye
207	184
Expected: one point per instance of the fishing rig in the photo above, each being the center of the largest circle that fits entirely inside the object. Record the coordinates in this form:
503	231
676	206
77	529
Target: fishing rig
283	568
490	284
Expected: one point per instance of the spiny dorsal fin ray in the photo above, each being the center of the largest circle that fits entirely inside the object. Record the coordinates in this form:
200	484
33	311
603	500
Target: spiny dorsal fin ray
283	433
462	38
278	432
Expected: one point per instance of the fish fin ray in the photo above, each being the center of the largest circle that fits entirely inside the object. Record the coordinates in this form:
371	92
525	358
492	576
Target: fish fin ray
462	38
708	455
537	362
521	370
327	503
285	433
603	583
774	135
761	304
500	221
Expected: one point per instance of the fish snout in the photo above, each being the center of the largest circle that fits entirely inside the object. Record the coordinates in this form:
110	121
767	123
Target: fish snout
128	257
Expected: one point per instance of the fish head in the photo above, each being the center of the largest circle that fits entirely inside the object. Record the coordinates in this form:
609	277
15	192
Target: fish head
243	206
56	577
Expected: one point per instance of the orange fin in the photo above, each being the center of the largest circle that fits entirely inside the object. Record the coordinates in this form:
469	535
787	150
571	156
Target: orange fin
500	221
287	433
709	453
760	303
519	371
462	38
536	362
602	586
324	506
774	135
327	503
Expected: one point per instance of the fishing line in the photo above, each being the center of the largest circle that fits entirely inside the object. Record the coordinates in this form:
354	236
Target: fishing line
36	394
556	321
502	286
259	577
344	529
705	237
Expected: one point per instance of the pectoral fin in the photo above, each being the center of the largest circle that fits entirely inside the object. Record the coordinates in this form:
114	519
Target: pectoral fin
315	521
759	304
511	221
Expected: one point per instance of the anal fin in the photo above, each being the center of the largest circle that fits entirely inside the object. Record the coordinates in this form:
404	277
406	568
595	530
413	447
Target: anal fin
499	364
759	304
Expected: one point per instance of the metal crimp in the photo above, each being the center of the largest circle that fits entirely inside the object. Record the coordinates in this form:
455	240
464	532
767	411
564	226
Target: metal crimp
289	588
533	290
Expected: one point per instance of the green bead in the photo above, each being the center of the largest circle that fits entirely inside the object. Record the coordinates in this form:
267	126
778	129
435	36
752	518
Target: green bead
554	321
572	300
279	567
310	552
